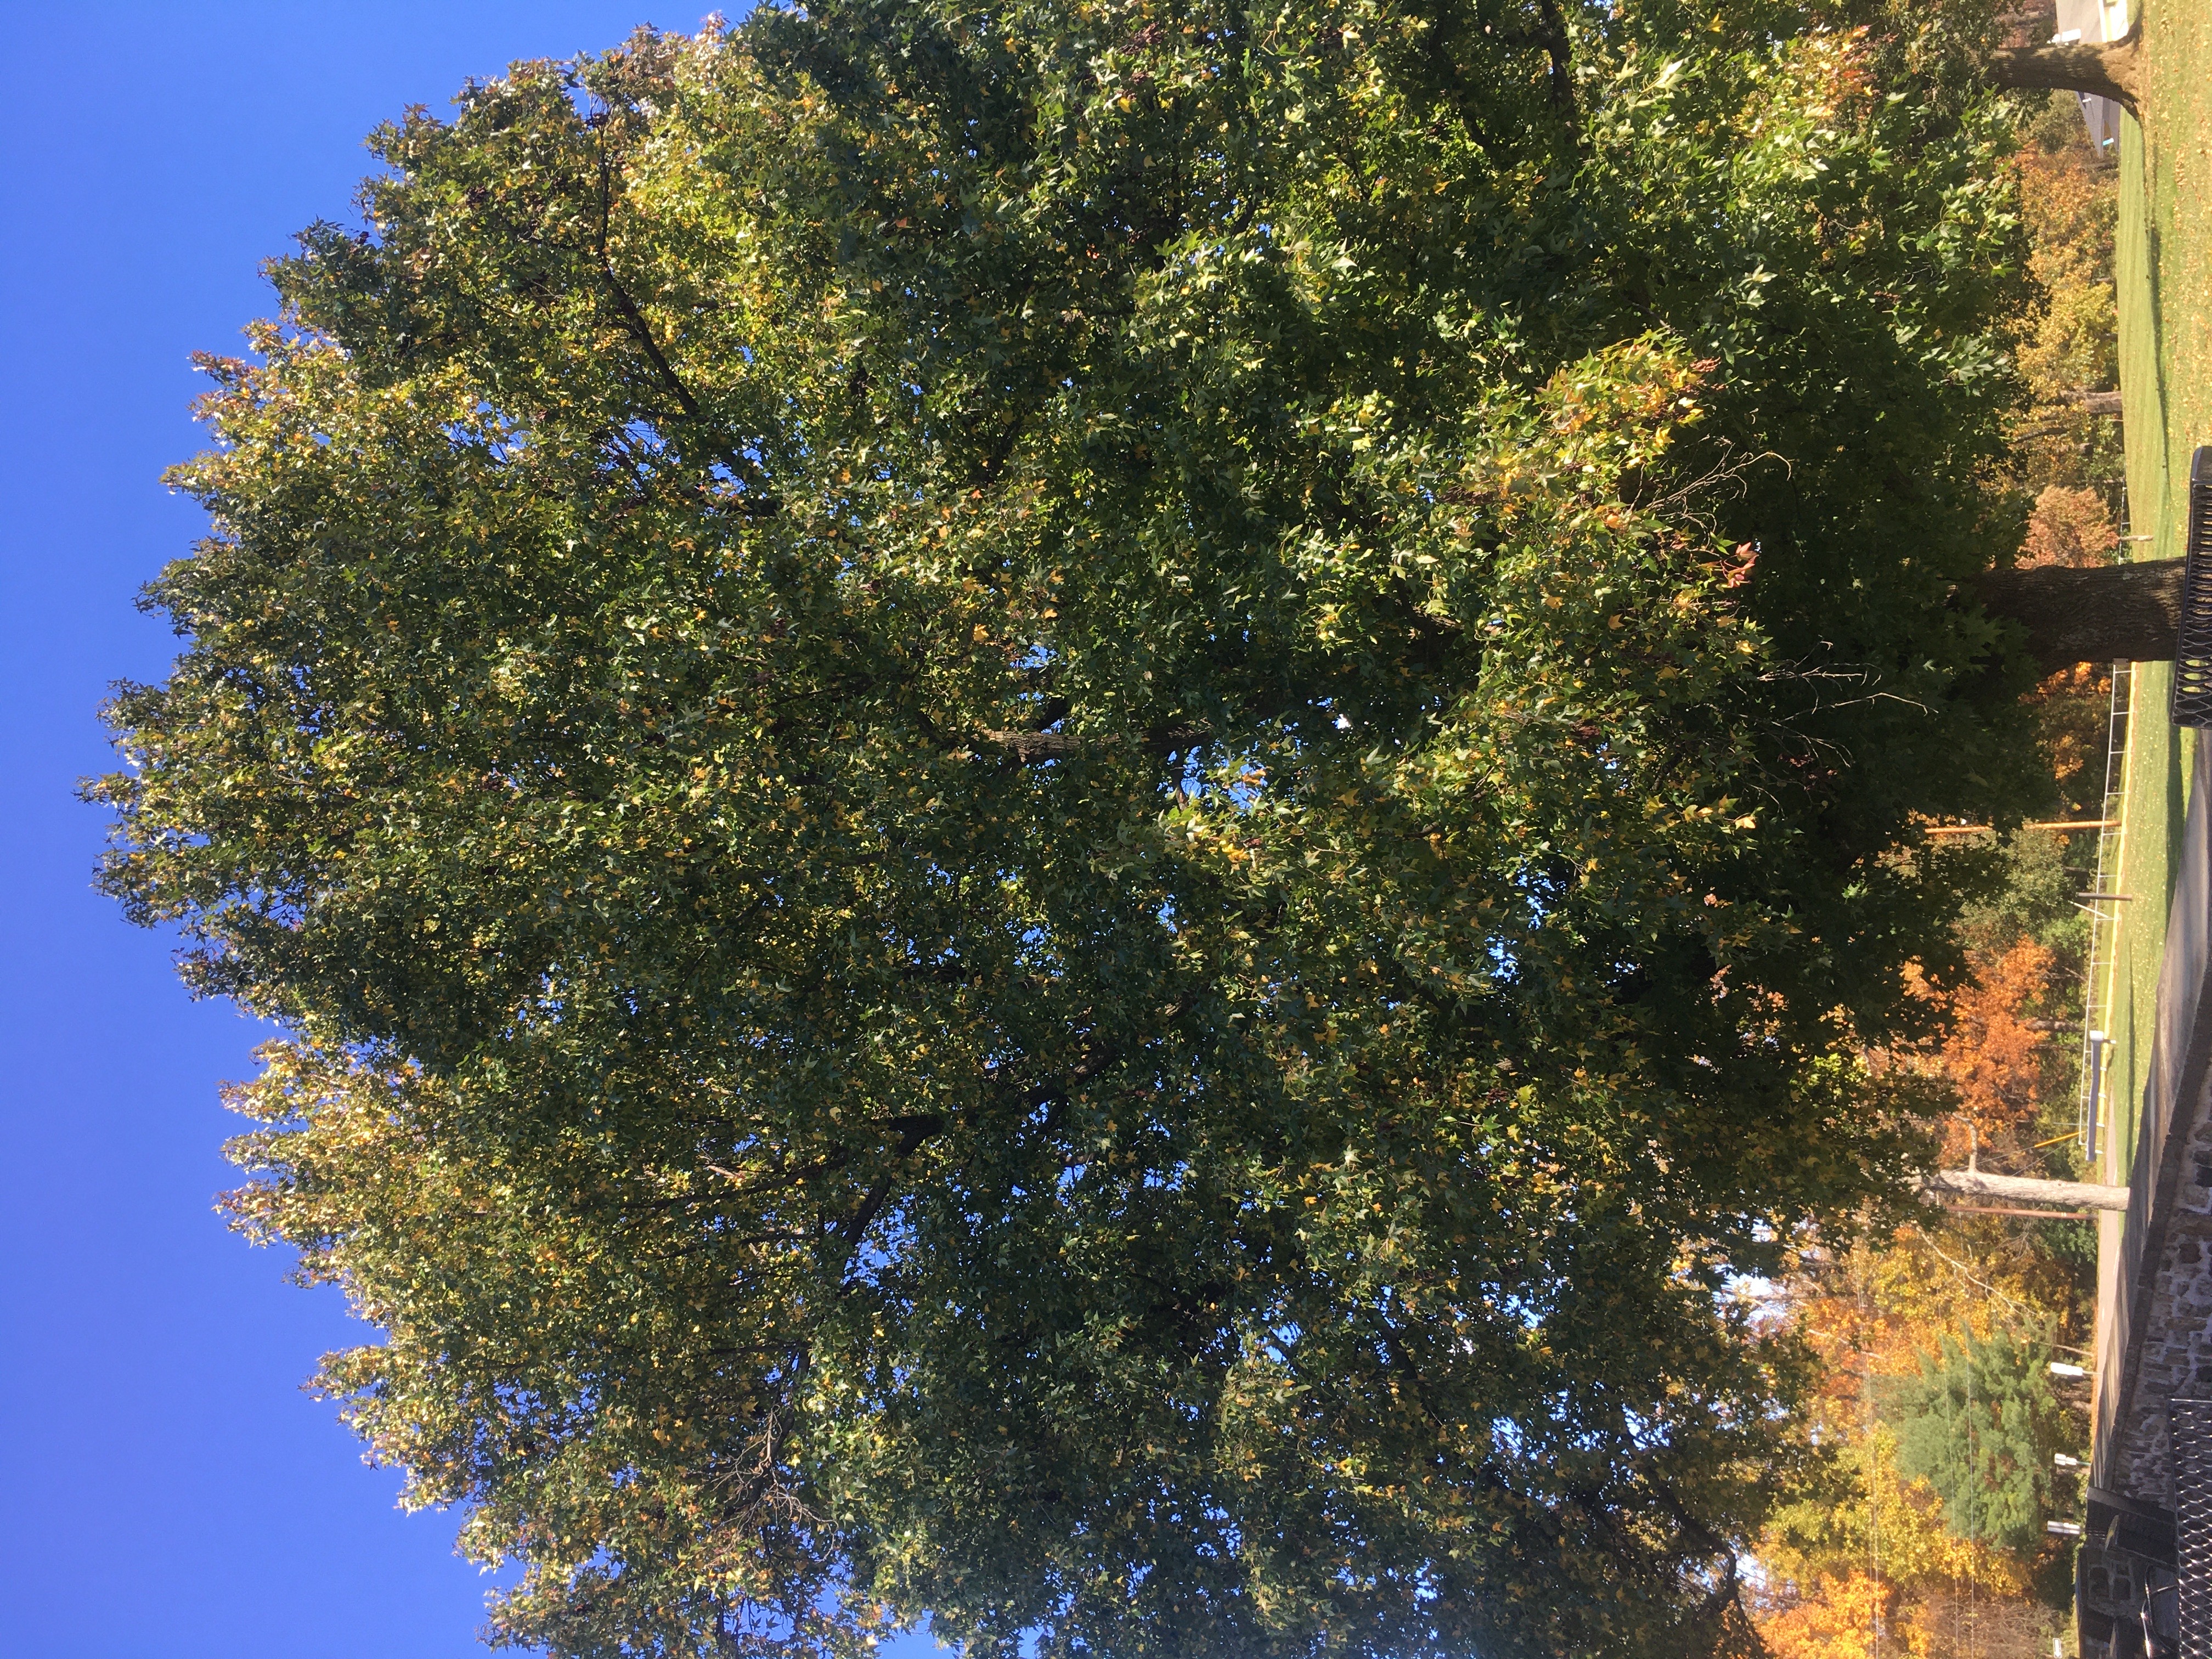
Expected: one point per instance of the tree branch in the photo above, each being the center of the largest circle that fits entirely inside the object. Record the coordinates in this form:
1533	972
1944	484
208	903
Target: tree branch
918	1129
1031	747
633	318
1558	48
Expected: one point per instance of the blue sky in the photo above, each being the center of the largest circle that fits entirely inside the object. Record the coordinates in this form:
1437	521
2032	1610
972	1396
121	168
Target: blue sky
168	1491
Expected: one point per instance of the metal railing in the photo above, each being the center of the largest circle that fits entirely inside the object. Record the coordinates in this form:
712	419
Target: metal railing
2192	655
2104	918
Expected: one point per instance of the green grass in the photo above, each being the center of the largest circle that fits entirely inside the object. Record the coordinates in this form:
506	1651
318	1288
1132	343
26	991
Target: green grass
2164	293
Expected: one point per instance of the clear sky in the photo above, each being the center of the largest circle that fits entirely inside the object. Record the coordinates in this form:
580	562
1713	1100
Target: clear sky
168	1491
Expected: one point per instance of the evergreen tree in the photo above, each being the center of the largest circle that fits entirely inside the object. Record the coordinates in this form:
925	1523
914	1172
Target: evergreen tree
1979	1424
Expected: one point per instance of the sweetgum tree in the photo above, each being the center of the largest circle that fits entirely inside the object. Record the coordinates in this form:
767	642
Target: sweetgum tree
1070	812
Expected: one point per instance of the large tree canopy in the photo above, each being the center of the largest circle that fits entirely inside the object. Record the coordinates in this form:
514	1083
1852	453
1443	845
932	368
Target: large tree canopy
1071	812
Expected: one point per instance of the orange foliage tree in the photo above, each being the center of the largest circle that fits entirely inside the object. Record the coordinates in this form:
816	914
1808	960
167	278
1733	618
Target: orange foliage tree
1994	1051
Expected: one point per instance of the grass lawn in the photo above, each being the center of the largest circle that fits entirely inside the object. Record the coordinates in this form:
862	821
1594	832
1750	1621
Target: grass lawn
2165	280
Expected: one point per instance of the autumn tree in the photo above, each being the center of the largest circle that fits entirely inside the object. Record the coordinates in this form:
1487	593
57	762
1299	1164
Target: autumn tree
2068	436
1071	815
1924	1531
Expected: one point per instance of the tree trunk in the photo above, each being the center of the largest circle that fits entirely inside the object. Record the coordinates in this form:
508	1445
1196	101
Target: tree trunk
2095	403
1974	1184
2107	613
2104	69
